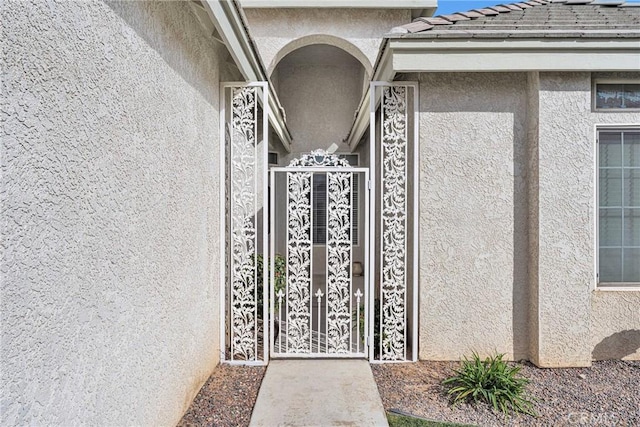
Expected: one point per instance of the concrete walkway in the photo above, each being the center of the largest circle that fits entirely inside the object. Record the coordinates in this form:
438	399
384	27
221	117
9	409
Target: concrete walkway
318	393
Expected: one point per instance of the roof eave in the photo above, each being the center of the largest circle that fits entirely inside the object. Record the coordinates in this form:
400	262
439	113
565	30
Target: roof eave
229	24
515	54
383	71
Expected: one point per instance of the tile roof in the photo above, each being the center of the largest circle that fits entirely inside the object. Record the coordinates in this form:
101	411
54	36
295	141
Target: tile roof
531	19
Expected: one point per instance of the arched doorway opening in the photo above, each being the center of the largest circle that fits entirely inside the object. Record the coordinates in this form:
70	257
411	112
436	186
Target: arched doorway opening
325	252
322	312
320	87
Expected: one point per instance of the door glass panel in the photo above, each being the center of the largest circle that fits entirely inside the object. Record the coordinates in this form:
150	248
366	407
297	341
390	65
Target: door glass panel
632	228
632	149
632	187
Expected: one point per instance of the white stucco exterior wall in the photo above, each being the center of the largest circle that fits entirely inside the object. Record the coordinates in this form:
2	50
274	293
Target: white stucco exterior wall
566	212
533	108
110	212
507	221
573	318
615	325
473	240
277	32
615	316
320	93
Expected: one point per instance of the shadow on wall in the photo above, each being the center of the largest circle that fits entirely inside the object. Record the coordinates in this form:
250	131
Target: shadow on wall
483	105
617	346
172	30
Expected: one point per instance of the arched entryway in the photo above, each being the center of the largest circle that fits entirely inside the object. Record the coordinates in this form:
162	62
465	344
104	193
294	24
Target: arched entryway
321	312
321	88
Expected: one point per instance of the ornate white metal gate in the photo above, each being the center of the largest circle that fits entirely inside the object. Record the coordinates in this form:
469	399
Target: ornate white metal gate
322	310
342	298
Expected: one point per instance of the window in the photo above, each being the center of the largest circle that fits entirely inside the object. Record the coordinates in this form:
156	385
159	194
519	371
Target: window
273	159
619	207
320	204
617	96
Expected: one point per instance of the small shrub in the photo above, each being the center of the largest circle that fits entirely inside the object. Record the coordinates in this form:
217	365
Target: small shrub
280	278
491	380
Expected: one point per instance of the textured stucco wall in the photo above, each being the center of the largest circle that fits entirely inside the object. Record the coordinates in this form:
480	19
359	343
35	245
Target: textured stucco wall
566	263
615	325
320	88
533	113
615	315
565	219
358	31
110	212
507	217
473	210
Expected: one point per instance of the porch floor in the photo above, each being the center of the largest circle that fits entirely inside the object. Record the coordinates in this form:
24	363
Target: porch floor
318	343
318	392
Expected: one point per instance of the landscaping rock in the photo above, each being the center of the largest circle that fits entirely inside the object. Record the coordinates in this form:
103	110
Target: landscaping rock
611	396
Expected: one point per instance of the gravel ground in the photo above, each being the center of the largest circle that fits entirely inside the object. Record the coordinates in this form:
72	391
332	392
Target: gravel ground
607	394
227	398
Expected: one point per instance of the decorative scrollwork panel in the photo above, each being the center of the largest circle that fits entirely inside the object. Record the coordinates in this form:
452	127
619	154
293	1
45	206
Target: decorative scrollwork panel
243	180
319	158
299	245
394	222
339	262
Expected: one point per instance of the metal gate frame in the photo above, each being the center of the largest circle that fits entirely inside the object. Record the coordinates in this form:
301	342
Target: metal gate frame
366	270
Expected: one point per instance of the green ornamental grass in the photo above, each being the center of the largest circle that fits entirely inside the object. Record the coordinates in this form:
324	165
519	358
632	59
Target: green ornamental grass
493	381
398	420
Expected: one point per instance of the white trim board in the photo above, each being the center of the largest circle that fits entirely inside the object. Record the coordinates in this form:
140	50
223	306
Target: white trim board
341	4
383	71
438	55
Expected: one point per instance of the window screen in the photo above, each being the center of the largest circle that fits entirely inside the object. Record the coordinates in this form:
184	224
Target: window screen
619	206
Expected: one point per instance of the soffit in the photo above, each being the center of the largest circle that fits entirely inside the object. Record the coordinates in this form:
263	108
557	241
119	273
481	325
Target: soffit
232	31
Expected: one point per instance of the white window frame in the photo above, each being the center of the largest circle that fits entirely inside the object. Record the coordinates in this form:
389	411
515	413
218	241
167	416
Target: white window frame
594	94
606	286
